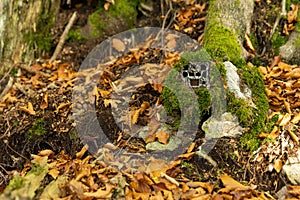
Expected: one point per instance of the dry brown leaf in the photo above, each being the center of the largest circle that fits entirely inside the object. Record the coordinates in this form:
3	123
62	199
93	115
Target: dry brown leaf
29	109
54	172
278	165
162	137
191	147
296	118
295	73
62	106
104	93
135	116
287	106
47	152
275	61
232	184
294	190
104	193
262	70
186	155
249	44
44	103
62	71
285	120
35	81
82	151
106	5
293	136
118	45
284	66
8	98
292	14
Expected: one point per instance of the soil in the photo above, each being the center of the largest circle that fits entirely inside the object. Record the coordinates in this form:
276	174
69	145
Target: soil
16	146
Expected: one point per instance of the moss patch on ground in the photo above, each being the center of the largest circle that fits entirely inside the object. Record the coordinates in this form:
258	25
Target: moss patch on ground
120	15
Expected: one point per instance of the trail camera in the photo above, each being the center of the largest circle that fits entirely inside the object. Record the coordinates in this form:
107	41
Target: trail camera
196	74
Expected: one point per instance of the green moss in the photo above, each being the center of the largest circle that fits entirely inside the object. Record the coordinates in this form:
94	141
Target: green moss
198	56
171	103
271	123
41	39
253	79
297	42
221	43
122	13
75	35
37	129
240	108
16	183
37	169
96	22
278	41
126	9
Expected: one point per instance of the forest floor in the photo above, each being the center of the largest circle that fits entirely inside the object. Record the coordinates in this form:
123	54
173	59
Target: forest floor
35	117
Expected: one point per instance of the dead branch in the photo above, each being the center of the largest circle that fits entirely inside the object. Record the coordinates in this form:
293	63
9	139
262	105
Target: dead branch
282	14
63	37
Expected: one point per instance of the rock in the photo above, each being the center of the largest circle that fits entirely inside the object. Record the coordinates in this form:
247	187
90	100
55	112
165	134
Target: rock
227	126
291	50
233	82
291	169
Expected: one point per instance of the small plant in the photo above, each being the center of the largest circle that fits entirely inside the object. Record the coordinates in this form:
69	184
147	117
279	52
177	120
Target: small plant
75	35
37	129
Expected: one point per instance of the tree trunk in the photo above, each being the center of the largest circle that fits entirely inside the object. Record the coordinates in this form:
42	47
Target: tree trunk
25	29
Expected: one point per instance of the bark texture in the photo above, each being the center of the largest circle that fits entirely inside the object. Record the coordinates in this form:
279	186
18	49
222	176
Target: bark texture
20	22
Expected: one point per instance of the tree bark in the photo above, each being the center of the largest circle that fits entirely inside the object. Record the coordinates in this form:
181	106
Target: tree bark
22	25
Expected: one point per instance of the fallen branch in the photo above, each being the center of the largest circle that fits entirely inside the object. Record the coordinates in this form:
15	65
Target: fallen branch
63	37
282	14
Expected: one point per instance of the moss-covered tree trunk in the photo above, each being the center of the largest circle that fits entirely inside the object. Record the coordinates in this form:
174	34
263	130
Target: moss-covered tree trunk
25	29
227	23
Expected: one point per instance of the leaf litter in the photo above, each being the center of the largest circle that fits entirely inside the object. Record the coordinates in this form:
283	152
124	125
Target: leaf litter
88	177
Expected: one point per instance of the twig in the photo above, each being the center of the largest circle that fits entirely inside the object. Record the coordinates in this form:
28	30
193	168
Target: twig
283	13
63	37
30	70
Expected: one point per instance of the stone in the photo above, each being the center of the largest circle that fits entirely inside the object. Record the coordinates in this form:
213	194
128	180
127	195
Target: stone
291	50
227	126
233	82
291	169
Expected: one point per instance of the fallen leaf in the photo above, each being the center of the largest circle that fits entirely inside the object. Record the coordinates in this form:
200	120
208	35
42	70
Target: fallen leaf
106	5
162	136
292	14
293	136
29	109
47	152
285	120
82	151
62	106
296	118
249	44
44	103
232	184
135	116
278	165
118	45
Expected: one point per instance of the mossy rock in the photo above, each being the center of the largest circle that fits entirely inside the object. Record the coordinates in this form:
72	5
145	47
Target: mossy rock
119	17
